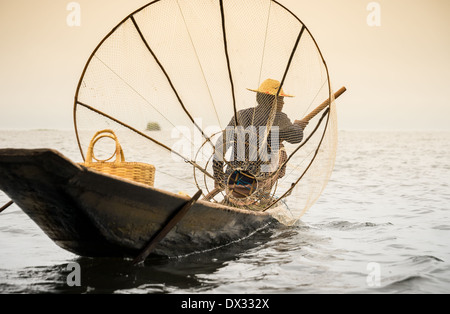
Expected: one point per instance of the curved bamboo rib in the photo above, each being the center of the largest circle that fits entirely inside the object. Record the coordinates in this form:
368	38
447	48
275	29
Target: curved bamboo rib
324	105
222	13
167	77
294	49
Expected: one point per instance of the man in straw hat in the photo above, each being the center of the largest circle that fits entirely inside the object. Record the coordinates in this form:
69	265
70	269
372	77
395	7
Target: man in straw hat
264	128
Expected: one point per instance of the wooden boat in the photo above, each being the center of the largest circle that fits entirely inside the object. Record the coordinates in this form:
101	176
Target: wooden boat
93	214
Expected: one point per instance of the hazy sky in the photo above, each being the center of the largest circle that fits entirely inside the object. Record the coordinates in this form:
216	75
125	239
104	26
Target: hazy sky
397	72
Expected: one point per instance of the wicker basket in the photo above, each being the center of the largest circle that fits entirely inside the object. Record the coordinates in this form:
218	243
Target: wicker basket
135	171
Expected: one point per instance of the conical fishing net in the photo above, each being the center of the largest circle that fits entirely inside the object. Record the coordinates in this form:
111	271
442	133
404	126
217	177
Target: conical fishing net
209	92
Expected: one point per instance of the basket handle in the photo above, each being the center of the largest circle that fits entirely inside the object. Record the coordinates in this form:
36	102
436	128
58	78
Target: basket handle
102	134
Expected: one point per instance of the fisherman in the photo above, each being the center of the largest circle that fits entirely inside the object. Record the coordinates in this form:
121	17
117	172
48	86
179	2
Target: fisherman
258	150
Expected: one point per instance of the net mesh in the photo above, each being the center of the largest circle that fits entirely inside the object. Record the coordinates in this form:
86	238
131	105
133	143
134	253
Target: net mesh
184	85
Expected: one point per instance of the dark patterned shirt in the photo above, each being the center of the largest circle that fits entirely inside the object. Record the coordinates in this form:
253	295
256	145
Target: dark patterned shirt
252	124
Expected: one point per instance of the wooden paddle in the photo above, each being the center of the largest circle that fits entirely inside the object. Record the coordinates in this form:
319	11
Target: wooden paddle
166	229
6	206
323	105
307	118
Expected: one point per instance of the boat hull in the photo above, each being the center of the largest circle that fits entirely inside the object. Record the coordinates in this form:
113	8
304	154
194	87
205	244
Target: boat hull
93	214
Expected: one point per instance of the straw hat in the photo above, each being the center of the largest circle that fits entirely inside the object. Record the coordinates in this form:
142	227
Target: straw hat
270	87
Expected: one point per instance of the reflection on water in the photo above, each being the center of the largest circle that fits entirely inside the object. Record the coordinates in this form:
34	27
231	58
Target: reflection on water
116	275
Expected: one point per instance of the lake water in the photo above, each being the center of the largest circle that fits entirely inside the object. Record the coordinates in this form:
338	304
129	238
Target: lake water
382	225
